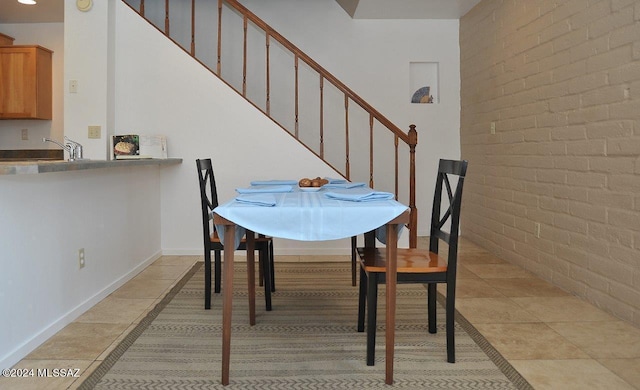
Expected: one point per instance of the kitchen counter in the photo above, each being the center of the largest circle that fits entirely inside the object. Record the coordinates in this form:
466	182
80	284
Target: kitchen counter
46	166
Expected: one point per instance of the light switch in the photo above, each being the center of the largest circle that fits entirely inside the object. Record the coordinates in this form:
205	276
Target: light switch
94	132
73	86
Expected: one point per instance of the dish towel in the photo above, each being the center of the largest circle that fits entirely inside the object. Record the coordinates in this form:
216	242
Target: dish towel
358	194
257	199
344	185
265	188
273	182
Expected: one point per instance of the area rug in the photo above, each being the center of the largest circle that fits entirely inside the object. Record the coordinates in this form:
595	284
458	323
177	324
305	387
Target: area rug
308	341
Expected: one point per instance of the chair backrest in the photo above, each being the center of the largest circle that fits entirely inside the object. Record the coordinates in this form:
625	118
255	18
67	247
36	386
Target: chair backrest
439	217
208	194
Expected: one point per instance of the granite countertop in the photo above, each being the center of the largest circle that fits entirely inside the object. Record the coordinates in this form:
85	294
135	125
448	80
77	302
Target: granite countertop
45	166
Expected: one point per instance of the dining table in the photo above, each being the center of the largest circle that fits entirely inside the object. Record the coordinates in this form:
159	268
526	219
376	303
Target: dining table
282	209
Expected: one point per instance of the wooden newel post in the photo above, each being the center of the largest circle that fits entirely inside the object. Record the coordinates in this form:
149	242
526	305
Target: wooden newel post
413	220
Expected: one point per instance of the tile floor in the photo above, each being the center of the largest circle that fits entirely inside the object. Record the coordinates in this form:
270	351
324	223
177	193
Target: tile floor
555	340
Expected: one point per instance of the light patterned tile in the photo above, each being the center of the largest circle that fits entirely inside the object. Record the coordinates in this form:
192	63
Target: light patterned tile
495	271
158	271
529	341
526	287
562	309
178	260
576	374
464	273
493	310
479	258
472	288
603	339
83	341
116	310
627	369
142	288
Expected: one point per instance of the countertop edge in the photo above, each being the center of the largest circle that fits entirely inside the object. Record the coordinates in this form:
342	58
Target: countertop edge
36	167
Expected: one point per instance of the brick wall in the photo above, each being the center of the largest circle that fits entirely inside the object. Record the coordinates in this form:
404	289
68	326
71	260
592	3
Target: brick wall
560	81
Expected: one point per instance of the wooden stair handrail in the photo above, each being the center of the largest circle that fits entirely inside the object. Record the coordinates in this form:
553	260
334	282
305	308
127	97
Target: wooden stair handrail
318	68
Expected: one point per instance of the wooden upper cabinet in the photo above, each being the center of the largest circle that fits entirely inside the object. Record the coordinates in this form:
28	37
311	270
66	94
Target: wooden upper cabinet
6	40
25	82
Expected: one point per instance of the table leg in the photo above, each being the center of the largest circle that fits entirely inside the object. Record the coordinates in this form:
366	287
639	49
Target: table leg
229	244
392	250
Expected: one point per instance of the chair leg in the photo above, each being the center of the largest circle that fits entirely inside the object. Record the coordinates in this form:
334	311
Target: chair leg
354	244
217	270
372	308
431	307
207	279
261	268
272	267
450	313
362	299
265	264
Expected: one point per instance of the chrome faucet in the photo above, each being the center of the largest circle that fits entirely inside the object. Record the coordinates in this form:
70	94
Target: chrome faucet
77	148
72	147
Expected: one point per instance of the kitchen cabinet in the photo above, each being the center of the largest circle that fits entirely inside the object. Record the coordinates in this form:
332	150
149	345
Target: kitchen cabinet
6	40
25	82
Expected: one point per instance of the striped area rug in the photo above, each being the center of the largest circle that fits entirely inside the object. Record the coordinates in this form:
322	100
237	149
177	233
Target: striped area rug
308	341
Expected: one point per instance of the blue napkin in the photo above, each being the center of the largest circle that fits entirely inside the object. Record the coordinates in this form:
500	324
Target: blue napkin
265	188
268	200
358	194
273	182
344	185
336	181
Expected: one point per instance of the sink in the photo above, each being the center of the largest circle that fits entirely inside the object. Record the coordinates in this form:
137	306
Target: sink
30	160
31	155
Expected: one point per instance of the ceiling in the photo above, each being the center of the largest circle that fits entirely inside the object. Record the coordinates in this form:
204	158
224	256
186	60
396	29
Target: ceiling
407	9
46	11
52	11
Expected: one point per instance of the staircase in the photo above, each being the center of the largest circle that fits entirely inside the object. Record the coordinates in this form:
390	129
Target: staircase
296	92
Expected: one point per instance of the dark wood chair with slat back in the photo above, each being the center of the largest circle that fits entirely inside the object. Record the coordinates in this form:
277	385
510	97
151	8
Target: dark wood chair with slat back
212	243
354	259
419	265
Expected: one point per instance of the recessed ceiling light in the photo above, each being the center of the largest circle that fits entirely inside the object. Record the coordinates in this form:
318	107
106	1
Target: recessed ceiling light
29	2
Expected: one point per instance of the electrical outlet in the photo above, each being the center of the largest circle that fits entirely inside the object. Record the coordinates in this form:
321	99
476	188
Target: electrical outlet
73	86
94	132
537	230
24	134
81	258
493	127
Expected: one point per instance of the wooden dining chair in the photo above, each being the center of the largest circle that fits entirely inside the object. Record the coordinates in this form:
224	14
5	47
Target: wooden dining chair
419	265
354	259
212	243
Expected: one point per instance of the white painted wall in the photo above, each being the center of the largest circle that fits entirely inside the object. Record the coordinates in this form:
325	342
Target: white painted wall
44	219
87	60
49	35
